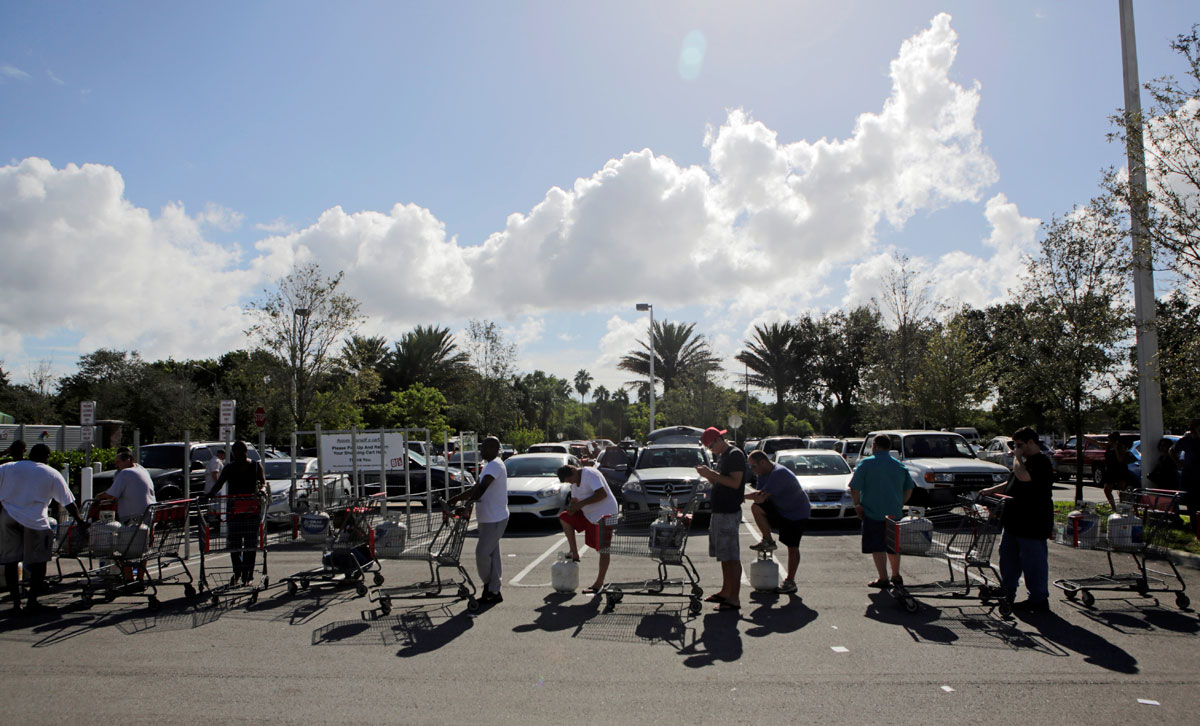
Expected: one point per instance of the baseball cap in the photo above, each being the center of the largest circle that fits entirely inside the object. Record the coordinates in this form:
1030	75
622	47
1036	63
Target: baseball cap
710	435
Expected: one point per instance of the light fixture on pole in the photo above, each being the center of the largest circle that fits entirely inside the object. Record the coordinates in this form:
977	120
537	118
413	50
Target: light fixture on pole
294	348
647	307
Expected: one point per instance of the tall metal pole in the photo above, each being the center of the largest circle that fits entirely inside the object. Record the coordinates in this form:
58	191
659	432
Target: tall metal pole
1149	392
643	307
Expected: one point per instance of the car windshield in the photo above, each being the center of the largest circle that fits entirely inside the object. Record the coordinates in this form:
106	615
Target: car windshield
161	457
822	443
663	458
534	466
770	446
936	446
852	447
546	449
814	464
282	468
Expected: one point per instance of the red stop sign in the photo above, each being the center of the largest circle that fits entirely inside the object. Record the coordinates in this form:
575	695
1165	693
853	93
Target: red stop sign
260	417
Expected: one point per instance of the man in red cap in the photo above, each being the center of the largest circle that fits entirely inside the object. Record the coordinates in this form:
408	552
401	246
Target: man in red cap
729	490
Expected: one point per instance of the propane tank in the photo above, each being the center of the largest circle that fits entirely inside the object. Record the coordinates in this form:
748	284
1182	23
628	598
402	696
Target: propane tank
1124	529
666	535
102	537
390	537
1083	528
132	541
914	533
564	574
764	574
314	527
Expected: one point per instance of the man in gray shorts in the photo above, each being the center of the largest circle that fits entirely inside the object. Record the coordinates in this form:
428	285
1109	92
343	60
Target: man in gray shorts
729	490
26	488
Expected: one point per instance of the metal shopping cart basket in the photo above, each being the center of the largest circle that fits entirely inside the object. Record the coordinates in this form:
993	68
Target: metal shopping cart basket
233	546
660	535
136	557
1140	529
435	538
348	555
964	535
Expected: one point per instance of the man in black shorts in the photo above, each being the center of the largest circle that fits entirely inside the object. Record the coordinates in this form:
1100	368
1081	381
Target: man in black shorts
780	504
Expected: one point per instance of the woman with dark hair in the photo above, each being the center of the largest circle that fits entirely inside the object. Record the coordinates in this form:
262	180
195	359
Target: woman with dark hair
244	482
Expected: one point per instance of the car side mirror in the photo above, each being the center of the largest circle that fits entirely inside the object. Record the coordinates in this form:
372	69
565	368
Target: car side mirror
197	464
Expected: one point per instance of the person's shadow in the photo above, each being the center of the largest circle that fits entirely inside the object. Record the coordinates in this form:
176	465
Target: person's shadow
556	615
720	641
789	617
1095	649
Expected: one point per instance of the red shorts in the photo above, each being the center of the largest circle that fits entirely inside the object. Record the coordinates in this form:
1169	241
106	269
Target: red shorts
592	535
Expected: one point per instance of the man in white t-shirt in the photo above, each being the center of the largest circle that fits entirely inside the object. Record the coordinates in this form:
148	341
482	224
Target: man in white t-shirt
132	487
212	470
491	518
592	510
26	488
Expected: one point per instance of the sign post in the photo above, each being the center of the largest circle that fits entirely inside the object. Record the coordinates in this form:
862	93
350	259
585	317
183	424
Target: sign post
87	422
228	410
260	420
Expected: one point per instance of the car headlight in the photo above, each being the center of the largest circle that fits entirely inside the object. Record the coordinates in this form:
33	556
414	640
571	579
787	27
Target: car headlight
632	487
548	492
942	477
998	477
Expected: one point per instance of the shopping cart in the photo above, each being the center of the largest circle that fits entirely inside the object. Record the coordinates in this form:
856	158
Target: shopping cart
660	535
435	538
137	556
73	543
964	535
348	554
1141	531
233	527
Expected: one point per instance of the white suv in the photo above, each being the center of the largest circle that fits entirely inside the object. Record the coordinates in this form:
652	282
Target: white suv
942	464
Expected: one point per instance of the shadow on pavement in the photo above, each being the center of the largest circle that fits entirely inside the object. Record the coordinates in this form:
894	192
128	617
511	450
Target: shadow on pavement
292	609
719	641
419	629
649	623
973	626
557	615
771	618
128	615
1130	617
1095	649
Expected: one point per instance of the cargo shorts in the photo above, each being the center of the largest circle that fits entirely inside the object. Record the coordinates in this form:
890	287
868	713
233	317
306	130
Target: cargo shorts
22	544
723	542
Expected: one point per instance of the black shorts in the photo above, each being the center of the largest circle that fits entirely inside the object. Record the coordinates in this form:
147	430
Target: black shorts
790	530
874	536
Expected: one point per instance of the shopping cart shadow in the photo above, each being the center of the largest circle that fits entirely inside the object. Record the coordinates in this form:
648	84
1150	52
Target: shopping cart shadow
291	609
556	615
778	614
419	629
1095	649
966	626
71	620
1129	617
641	623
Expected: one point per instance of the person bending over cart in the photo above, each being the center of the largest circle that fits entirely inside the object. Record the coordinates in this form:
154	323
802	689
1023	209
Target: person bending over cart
1028	522
242	477
780	504
591	501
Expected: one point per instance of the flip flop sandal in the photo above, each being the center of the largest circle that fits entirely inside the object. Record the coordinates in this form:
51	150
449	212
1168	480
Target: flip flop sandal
725	607
714	598
881	584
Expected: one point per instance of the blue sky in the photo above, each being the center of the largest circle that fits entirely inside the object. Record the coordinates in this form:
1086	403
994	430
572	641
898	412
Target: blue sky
163	162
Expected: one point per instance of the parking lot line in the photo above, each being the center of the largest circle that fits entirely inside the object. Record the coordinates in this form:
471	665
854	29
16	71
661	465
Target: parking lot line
559	542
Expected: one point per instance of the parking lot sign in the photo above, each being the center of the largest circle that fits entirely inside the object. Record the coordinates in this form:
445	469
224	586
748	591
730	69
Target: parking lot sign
87	413
260	417
228	408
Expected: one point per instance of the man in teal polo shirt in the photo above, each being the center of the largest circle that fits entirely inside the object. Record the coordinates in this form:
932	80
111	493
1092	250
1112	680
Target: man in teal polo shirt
880	487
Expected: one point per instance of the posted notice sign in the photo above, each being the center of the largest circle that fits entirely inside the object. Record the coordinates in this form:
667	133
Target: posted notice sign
228	408
87	413
338	452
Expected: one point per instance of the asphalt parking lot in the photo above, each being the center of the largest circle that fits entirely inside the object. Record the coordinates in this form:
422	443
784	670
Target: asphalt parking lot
834	652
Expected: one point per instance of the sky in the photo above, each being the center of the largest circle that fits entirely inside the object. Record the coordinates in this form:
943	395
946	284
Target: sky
547	165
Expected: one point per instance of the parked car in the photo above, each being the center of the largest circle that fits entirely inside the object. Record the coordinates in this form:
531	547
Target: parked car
615	464
548	448
770	444
750	445
941	464
1093	456
279	479
999	451
675	435
850	449
666	470
534	490
820	442
446	481
825	476
1136	450
164	464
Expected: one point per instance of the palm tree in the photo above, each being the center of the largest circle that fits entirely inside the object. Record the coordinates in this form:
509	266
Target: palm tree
583	384
680	356
361	353
770	364
426	355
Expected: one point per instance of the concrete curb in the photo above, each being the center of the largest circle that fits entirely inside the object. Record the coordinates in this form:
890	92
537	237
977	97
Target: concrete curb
1184	559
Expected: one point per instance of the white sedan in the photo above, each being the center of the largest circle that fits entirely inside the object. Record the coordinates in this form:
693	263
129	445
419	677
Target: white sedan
825	476
533	485
279	479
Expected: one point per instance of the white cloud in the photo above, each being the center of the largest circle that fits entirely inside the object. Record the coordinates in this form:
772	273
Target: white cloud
529	331
763	226
54	77
10	71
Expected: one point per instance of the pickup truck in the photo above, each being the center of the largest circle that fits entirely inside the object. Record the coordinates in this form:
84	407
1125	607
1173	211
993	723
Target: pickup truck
943	465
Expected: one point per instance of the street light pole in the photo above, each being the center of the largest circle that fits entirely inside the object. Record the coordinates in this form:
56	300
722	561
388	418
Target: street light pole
644	307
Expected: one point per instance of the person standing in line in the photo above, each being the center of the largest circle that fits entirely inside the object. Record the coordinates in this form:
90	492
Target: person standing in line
880	487
212	470
246	484
14	452
780	504
491	517
132	487
1165	473
1116	467
729	490
26	489
1186	453
591	503
1028	521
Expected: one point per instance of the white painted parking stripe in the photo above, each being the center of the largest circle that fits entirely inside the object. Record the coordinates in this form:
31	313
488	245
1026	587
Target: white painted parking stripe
559	542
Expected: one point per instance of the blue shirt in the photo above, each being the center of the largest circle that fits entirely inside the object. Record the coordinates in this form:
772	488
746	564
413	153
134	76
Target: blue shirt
881	482
786	492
